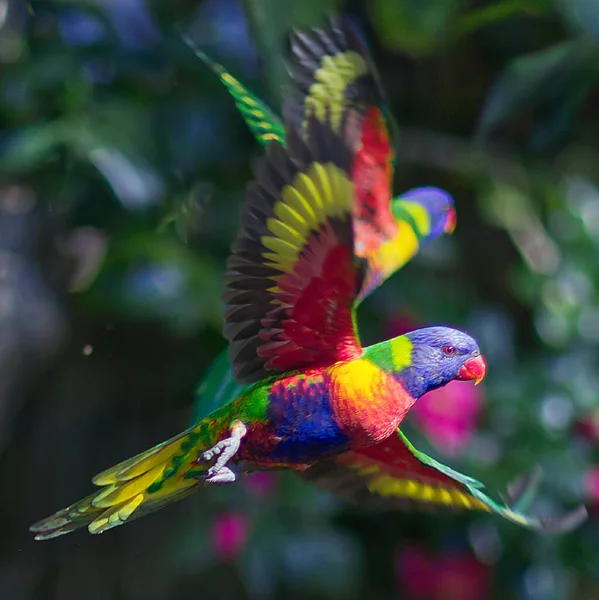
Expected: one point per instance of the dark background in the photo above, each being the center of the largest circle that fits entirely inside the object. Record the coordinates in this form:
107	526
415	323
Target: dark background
123	163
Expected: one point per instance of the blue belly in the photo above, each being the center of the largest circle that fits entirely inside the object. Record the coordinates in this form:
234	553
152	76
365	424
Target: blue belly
302	423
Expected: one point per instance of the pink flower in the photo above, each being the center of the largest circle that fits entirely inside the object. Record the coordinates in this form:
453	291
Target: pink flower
414	570
448	416
424	576
591	487
588	427
591	483
229	535
462	577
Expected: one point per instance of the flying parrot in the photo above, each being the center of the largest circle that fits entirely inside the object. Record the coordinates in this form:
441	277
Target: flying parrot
316	402
331	70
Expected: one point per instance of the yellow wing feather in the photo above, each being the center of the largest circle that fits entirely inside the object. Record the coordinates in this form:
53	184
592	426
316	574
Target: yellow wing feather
331	81
331	195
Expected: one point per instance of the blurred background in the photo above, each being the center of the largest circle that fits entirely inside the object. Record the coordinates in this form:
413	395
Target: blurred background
122	168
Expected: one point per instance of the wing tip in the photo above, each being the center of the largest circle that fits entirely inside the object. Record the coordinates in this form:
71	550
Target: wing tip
565	522
520	494
51	527
523	487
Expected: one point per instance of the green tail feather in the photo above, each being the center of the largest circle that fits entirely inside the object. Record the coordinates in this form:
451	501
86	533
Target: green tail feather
260	119
139	485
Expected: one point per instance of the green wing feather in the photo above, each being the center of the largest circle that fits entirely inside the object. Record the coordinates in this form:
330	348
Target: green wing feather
217	389
261	120
394	474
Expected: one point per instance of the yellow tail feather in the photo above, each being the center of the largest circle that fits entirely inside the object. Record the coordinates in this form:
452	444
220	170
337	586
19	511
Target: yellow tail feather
135	487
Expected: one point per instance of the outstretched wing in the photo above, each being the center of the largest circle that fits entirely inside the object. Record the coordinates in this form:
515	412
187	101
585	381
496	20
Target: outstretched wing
292	277
393	474
259	118
421	215
217	388
332	71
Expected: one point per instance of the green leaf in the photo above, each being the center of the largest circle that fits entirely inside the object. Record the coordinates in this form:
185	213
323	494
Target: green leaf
562	110
584	14
499	11
31	147
150	276
184	212
544	76
116	139
412	26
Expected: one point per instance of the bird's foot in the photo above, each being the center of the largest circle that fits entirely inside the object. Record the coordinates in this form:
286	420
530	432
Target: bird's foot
224	475
225	450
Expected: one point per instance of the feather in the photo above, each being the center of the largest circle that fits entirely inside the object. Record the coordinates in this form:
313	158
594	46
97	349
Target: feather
137	486
298	224
393	474
259	118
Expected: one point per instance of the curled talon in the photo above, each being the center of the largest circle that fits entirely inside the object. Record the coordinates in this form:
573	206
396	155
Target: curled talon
225	450
224	475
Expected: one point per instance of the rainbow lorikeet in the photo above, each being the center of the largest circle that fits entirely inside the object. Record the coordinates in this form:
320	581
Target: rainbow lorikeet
318	403
332	70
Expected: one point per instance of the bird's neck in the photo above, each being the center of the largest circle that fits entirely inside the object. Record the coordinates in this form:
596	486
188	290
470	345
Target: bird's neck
395	356
413	215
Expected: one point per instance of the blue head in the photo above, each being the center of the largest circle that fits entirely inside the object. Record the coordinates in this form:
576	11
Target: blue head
438	206
440	355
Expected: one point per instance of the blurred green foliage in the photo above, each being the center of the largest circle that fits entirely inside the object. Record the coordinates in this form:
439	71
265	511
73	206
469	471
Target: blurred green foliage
123	164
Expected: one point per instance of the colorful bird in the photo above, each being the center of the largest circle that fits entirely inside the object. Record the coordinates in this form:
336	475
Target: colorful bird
317	402
332	70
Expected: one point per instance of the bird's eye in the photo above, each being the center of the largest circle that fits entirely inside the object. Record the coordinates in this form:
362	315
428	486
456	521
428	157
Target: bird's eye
449	350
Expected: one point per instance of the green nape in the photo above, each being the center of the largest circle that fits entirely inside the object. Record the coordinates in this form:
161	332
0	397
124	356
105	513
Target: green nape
414	214
391	355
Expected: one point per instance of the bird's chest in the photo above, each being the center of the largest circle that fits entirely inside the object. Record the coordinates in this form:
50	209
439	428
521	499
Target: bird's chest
367	402
317	415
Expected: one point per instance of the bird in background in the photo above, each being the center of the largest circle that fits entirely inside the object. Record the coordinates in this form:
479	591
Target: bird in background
316	402
331	70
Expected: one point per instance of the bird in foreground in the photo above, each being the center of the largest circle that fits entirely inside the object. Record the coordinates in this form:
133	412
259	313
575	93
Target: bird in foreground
317	402
332	73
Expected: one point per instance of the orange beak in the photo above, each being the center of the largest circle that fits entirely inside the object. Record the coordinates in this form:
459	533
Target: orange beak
474	368
450	223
